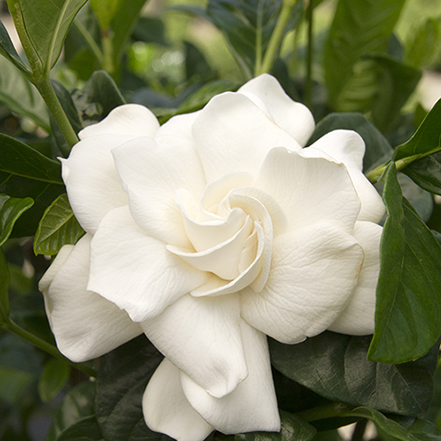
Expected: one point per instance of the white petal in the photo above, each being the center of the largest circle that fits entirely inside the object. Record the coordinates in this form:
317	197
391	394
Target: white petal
85	324
152	173
309	189
201	336
135	271
178	126
347	147
233	135
358	317
166	409
313	273
93	185
252	406
295	118
129	120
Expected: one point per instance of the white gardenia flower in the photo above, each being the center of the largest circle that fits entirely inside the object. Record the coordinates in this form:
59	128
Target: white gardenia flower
207	234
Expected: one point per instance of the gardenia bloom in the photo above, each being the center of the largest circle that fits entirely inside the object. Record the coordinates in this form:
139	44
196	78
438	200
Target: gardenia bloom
208	234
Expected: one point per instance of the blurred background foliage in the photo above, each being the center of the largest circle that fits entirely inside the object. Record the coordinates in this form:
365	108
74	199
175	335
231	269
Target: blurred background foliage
170	56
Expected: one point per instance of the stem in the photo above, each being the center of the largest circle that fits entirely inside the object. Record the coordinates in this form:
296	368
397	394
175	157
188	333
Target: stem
308	83
359	430
44	86
107	43
276	37
258	66
327	411
45	346
88	39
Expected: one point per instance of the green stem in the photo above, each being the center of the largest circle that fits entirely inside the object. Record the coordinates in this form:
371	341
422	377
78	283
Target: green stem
44	86
360	429
88	39
107	43
276	37
327	411
258	66
308	82
45	346
376	174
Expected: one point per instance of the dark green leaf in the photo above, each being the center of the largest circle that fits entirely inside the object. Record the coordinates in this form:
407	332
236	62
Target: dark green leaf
76	406
378	149
396	82
86	429
47	23
102	89
121	382
7	49
20	96
426	138
24	172
123	24
358	28
423	45
196	66
10	210
57	227
150	30
244	22
336	367
4	283
408	312
293	429
54	376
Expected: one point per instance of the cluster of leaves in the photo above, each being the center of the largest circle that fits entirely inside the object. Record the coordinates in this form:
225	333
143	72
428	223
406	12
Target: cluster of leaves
368	75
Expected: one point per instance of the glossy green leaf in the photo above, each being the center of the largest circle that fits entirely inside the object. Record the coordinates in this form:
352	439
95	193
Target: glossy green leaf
358	28
57	227
10	210
293	429
196	66
378	149
77	405
150	30
423	45
47	23
408	312
245	22
24	172
419	431
336	367
102	89
421	200
4	283
53	378
20	96
426	172
121	382
86	429
426	139
122	25
7	49
105	11
396	82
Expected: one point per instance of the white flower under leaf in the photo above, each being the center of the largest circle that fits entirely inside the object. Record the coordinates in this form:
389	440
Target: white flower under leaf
207	234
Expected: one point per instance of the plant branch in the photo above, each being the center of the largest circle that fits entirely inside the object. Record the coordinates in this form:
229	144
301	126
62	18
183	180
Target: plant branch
276	37
308	82
45	346
327	411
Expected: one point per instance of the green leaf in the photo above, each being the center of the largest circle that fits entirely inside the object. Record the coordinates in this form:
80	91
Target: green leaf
121	382
358	28
422	47
426	172
408	312
293	429
7	49
196	66
86	429
150	30
54	376
122	25
378	149
336	366
20	96
245	22
105	10
419	431
396	82
101	88
57	227
76	406
4	283
47	23
10	210
24	172
426	139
